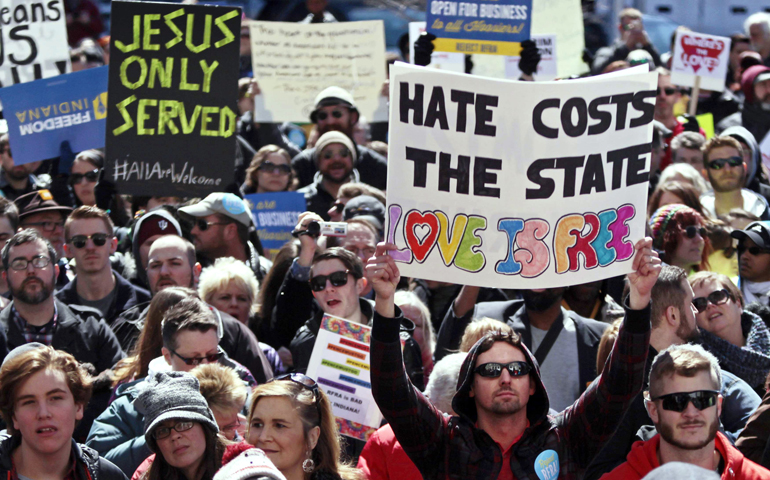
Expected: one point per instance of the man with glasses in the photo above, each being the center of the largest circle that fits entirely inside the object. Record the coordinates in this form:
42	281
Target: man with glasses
723	161
17	180
9	223
35	315
90	241
668	96
754	261
684	404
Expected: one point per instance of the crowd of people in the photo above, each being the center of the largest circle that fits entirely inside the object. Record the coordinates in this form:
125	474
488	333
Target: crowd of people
154	337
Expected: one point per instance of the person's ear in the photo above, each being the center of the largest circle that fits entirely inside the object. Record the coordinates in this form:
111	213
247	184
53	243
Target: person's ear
531	385
672	315
196	273
652	409
79	411
166	354
231	231
68	251
361	285
56	270
312	437
113	246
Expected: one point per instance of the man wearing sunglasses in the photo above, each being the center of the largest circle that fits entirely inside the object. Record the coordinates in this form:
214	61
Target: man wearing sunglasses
17	180
503	429
754	261
90	242
723	161
668	96
684	403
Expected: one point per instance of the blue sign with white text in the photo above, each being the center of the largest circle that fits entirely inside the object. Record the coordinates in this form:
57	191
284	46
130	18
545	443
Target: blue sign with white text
275	215
44	113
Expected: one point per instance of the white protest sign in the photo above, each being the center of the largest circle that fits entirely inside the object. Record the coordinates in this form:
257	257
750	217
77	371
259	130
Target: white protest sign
293	62
340	365
34	41
565	18
451	61
698	54
547	68
510	184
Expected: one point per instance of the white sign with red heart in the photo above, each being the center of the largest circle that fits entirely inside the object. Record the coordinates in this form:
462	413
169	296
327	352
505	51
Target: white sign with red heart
698	54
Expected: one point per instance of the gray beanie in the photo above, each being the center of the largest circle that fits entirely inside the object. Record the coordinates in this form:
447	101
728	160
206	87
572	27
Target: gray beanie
172	396
335	137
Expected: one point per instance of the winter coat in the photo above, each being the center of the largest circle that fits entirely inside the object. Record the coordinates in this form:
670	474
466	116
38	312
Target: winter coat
372	166
384	459
128	296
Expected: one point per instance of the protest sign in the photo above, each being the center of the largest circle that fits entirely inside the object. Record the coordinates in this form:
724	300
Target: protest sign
547	68
340	365
510	184
293	62
700	55
565	18
490	27
44	113
173	85
34	41
451	61
275	215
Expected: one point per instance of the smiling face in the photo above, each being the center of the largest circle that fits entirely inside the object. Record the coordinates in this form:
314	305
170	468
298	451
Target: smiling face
717	319
233	300
335	163
45	412
183	450
339	301
503	395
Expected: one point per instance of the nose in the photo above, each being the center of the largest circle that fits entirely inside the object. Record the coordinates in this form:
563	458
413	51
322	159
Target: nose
43	411
505	377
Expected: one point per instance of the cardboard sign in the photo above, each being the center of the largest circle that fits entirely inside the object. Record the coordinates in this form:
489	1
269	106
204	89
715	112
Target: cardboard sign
547	68
173	86
340	365
275	215
453	62
44	113
293	62
698	54
567	16
491	27
510	184
34	41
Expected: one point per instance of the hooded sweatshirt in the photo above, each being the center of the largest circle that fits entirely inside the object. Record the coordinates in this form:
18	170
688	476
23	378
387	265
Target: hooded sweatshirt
754	117
550	447
141	272
643	458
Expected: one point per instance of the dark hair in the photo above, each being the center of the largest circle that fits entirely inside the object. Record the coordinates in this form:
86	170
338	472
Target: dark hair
93	156
26	236
212	460
737	38
679	222
348	258
272	283
685	191
190	313
261	157
668	291
487	341
9	210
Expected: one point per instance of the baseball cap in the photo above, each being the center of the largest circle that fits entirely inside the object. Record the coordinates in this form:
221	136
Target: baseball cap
37	202
762	77
366	207
333	96
226	204
758	232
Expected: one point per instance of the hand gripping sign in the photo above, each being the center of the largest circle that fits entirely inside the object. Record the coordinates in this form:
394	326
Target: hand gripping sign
700	55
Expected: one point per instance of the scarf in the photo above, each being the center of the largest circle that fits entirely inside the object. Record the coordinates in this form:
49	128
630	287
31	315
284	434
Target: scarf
756	292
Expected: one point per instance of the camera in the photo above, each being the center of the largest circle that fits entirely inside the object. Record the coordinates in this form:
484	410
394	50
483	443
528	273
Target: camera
328	229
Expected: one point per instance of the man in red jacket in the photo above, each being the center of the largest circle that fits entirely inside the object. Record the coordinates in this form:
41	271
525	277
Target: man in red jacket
684	404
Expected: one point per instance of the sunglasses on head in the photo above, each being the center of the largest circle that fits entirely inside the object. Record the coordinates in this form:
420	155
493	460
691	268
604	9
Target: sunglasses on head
323	115
719	163
494	370
337	279
270	167
752	250
690	231
668	91
91	177
306	382
717	297
677	402
99	239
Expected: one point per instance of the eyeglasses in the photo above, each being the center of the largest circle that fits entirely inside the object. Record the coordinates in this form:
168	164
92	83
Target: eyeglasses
718	163
46	226
717	297
270	167
692	230
337	279
203	225
677	402
752	250
99	239
494	370
668	91
91	177
306	382
162	432
38	261
214	357
321	116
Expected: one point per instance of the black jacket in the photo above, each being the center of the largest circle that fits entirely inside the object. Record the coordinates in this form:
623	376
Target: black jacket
128	296
90	466
372	166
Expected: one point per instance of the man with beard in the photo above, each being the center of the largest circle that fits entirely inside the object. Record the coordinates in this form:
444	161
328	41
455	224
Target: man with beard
723	161
564	343
684	403
35	315
335	111
16	180
673	323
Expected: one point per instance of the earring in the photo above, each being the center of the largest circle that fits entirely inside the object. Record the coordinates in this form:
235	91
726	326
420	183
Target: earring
308	465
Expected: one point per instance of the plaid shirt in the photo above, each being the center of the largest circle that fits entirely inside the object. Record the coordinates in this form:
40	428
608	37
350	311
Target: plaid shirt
32	333
452	447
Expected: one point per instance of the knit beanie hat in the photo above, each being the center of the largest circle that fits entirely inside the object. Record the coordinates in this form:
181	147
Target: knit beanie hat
172	396
242	461
661	218
335	137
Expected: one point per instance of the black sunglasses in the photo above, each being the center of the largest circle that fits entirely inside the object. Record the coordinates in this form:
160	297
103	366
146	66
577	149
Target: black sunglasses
752	250
717	297
76	178
690	231
306	382
270	167
668	90
214	357
338	279
99	239
323	115
203	225
494	370
677	402
718	163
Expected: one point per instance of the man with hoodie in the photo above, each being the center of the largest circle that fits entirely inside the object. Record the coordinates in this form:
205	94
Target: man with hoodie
752	157
684	403
755	115
754	261
150	227
502	428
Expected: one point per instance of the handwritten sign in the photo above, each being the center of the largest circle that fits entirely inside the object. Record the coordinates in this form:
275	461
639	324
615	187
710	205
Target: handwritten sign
340	365
34	41
275	215
293	62
568	16
173	85
490	27
698	54
510	184
547	68
44	113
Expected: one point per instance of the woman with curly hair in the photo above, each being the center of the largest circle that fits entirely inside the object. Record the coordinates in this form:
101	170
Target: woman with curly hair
679	233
